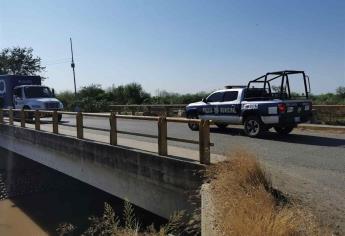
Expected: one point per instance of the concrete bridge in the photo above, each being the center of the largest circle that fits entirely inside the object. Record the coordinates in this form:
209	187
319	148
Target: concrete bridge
161	184
308	164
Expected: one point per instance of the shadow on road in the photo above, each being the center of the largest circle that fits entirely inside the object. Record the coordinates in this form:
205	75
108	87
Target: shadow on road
291	138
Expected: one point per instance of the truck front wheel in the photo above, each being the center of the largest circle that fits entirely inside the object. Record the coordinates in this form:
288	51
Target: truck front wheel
253	126
283	130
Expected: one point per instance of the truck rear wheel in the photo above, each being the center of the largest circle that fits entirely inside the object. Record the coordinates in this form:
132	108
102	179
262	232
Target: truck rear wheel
283	130
253	126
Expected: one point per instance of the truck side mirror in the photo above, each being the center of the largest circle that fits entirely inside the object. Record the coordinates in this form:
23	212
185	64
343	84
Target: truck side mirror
204	100
53	92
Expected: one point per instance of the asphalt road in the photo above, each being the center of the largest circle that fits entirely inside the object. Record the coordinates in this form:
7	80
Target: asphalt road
309	166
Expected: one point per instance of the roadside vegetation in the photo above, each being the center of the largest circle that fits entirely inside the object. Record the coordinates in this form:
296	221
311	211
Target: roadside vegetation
109	224
244	202
94	98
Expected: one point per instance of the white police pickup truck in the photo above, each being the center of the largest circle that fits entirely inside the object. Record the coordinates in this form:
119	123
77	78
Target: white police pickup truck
258	106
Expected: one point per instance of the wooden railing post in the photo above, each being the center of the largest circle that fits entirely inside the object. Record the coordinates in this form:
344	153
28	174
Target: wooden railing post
10	116
80	126
113	129
37	120
162	136
22	118
204	142
1	116
55	122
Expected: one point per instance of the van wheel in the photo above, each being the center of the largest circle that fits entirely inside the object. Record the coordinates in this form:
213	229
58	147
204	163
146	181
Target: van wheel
283	130
193	126
253	126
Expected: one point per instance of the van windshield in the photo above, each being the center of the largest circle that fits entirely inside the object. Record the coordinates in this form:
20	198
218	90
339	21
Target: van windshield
37	92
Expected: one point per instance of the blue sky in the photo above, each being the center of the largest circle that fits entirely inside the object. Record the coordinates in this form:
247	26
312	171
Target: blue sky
182	45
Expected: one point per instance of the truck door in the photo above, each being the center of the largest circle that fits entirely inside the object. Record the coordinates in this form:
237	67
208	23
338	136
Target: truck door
211	109
229	109
18	101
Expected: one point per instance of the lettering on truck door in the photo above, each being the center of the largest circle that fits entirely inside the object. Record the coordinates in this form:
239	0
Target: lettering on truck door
229	110
211	111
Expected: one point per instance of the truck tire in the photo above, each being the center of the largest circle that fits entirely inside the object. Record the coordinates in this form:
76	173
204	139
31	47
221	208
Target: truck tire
59	117
253	126
283	130
191	125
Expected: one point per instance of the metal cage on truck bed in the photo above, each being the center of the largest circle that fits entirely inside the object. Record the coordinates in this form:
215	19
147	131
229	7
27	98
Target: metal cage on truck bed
284	91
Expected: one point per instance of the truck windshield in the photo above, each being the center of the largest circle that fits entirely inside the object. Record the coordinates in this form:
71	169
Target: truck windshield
37	92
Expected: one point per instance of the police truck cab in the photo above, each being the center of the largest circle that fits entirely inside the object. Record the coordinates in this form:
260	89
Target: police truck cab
259	105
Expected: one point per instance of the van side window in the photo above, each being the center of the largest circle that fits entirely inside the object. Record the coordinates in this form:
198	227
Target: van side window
230	96
215	97
18	92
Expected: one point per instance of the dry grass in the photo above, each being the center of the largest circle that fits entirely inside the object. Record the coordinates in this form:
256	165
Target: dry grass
244	203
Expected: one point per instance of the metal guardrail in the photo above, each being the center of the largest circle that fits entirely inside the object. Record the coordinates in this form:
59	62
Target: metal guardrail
162	137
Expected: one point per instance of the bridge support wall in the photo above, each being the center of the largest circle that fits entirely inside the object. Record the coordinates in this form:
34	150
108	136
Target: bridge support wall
158	184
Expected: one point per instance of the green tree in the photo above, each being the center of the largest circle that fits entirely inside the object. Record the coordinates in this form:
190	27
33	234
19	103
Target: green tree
20	61
340	91
93	98
68	100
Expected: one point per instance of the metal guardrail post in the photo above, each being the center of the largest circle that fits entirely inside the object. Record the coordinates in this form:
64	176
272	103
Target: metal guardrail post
80	126
37	120
10	115
113	129
22	118
55	122
1	116
204	142
162	136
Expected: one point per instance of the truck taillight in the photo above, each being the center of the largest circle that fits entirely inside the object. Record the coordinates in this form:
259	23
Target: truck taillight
282	107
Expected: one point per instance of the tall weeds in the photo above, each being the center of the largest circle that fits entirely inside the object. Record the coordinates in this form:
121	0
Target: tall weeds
246	204
109	224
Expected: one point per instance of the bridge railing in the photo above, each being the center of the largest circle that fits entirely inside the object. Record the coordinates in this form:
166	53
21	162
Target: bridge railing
34	116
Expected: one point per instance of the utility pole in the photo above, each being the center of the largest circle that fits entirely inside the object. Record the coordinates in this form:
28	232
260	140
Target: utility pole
73	65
